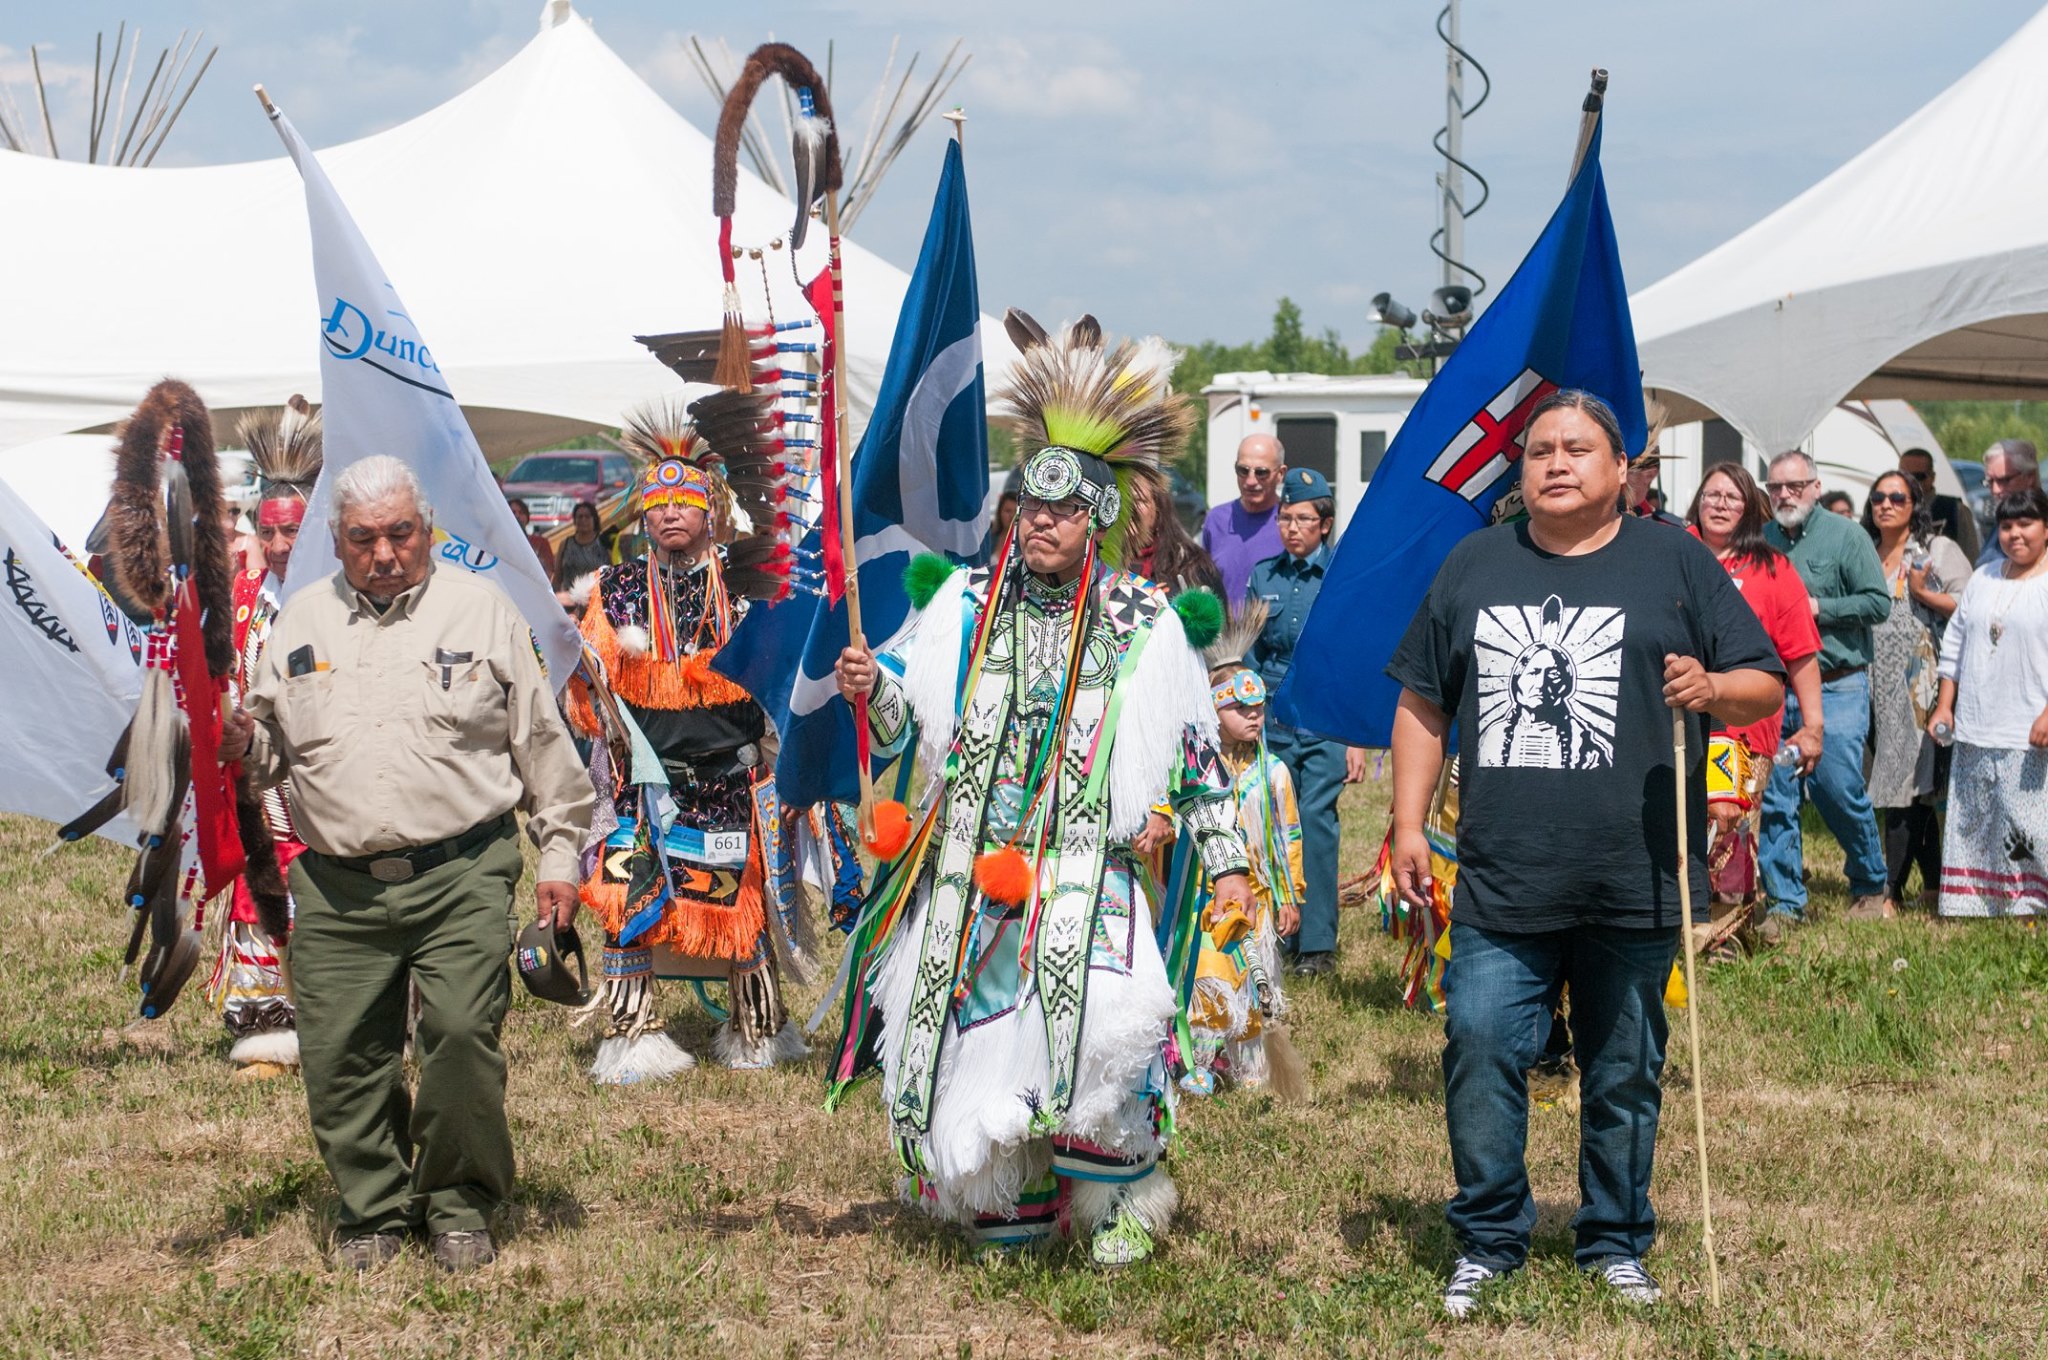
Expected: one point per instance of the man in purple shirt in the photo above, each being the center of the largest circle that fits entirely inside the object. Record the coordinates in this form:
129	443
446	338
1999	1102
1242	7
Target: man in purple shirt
1240	534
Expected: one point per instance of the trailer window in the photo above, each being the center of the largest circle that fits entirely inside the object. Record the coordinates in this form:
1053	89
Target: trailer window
1372	446
1311	442
1720	442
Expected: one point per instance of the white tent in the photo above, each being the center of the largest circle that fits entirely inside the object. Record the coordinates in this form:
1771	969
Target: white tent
536	222
1919	269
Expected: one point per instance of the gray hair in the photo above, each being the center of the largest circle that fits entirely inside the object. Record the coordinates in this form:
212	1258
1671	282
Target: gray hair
372	479
2019	455
1805	459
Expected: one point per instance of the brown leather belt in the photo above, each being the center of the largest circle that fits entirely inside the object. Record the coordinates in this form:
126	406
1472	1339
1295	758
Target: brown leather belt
1829	677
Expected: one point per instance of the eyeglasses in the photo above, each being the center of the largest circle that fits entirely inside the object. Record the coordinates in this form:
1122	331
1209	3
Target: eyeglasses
1783	488
1999	485
1890	498
1308	521
1030	508
1257	474
1924	478
1722	498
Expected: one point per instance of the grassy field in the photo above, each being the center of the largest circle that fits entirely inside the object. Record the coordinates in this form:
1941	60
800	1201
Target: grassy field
1878	1100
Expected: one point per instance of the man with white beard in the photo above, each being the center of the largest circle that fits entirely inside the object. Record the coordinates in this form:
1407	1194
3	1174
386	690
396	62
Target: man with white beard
1846	584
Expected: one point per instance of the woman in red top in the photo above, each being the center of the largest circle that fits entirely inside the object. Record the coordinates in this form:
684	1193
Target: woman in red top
1728	515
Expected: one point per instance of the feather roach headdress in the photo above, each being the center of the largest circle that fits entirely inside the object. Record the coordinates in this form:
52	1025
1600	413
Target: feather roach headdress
1099	419
286	449
1232	645
730	439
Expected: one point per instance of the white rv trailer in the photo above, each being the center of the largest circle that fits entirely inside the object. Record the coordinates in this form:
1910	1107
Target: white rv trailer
1342	426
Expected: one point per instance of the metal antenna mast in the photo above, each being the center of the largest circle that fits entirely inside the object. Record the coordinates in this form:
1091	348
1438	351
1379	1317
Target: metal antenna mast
1448	241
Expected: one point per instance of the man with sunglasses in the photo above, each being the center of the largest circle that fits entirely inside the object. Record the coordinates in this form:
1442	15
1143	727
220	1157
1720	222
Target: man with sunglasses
1952	518
1242	533
2011	468
1846	586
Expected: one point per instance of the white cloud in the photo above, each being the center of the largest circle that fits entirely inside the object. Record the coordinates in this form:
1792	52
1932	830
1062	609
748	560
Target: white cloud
1049	78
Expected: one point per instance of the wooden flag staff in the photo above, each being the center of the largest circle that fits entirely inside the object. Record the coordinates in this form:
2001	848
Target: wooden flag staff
1692	1014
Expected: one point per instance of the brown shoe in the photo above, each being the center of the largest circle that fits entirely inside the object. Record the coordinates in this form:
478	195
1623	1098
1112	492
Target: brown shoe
367	1251
1872	907
460	1252
1774	929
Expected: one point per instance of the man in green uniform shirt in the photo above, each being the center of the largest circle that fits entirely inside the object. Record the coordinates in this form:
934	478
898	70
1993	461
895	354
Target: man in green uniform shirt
1846	583
409	708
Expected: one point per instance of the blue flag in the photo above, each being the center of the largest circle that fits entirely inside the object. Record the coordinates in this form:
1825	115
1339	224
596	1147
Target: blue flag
1561	321
920	484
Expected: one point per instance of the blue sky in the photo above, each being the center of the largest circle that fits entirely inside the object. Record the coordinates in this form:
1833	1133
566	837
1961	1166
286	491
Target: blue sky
1170	166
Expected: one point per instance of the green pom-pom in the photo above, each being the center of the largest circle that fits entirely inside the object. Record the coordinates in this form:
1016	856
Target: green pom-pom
1201	615
923	577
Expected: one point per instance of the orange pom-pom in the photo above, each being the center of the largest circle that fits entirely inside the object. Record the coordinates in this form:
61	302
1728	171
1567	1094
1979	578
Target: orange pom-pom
891	830
1004	875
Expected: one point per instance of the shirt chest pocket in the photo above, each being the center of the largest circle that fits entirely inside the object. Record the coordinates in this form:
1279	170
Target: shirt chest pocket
308	712
461	698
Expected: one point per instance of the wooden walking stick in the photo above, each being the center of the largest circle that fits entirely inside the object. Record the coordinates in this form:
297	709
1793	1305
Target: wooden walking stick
1692	1014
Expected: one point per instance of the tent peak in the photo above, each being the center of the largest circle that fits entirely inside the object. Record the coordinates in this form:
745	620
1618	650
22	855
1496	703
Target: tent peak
555	13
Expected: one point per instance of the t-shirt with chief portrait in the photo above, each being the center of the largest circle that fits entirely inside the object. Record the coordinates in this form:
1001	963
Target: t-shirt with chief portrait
1554	670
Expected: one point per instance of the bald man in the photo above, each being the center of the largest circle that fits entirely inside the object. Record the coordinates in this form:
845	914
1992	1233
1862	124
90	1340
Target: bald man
1242	533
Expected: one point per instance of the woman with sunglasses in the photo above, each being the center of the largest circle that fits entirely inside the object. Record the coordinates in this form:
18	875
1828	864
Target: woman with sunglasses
1728	515
1994	705
1908	772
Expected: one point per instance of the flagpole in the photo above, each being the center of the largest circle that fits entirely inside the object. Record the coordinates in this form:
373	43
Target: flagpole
958	118
843	472
1692	1014
1589	118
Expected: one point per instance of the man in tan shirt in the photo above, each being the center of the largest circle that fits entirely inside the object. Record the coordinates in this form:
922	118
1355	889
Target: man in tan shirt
411	711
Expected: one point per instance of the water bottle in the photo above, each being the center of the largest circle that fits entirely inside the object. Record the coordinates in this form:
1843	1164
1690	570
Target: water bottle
1944	734
1787	757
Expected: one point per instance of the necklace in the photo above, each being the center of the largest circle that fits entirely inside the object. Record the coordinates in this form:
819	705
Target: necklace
2008	592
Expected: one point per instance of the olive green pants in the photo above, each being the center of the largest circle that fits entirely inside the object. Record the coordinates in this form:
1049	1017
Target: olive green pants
440	1160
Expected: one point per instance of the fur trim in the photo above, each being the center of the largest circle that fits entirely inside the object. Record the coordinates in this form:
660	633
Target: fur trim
769	59
260	867
1174	686
635	641
1153	1199
785	1046
653	1056
140	536
931	669
280	1046
1201	615
924	576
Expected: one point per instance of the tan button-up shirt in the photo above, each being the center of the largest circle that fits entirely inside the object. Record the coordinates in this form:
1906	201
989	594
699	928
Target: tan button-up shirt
414	725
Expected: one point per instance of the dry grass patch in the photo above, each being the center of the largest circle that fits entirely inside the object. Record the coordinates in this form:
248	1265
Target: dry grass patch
1881	1147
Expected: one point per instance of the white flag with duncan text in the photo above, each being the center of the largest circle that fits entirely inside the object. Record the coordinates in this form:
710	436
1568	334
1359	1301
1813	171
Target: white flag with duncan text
382	392
73	668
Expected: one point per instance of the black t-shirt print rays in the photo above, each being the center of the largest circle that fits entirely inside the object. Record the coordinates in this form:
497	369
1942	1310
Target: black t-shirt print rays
1548	679
1554	669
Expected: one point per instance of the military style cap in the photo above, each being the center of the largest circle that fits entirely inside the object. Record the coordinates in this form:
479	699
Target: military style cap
1303	484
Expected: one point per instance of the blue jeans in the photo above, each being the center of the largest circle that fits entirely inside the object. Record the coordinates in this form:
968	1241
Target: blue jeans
1498	987
1837	789
1317	765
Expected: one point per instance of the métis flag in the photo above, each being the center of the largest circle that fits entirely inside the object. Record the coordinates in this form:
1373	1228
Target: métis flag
920	484
1561	321
381	391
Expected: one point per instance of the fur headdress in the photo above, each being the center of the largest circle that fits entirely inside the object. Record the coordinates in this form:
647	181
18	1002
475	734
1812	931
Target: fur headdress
286	449
1099	420
165	516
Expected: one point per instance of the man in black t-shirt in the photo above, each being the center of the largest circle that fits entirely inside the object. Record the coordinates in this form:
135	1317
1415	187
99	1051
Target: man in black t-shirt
1559	647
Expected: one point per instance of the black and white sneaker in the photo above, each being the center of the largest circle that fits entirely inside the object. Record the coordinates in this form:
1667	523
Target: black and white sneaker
1626	1276
1468	1276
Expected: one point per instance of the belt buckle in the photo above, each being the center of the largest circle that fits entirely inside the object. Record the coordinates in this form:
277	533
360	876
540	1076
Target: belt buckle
391	869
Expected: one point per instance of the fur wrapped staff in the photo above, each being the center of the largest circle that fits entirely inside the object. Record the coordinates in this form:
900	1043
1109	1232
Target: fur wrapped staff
168	551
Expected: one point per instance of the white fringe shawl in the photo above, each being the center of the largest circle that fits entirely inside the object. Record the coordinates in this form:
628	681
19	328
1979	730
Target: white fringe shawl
1169	692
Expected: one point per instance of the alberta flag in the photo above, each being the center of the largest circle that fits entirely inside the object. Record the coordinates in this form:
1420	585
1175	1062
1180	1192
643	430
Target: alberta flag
920	484
381	391
1561	321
